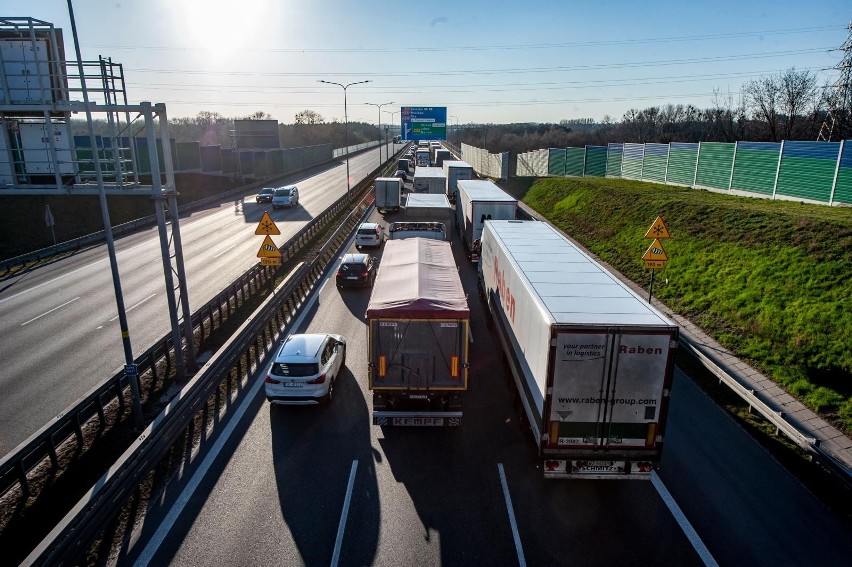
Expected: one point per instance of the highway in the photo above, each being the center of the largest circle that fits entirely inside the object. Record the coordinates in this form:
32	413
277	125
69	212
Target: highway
60	335
322	485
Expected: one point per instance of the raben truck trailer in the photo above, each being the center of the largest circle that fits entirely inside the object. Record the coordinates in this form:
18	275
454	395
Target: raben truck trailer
480	200
417	331
590	359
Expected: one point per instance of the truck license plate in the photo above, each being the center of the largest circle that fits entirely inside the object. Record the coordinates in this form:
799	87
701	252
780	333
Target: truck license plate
419	421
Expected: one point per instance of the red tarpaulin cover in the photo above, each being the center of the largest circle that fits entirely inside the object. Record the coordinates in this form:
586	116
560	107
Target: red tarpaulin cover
418	279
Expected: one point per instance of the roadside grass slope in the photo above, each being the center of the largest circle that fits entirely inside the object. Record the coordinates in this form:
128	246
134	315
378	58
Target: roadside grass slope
770	280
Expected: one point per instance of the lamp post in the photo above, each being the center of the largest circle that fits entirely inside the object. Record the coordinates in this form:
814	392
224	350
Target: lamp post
345	123
380	127
392	119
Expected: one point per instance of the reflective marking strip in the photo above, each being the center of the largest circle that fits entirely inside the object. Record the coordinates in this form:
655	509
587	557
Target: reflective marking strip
521	561
343	515
684	524
382	365
454	365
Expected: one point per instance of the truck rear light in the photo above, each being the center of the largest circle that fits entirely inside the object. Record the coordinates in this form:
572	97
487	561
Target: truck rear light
554	433
652	433
318	380
383	365
454	366
271	380
365	274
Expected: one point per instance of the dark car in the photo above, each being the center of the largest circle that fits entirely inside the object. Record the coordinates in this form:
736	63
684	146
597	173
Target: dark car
356	269
265	195
401	174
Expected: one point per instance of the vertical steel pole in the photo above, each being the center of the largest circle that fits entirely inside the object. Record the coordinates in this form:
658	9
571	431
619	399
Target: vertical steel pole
178	245
158	197
113	262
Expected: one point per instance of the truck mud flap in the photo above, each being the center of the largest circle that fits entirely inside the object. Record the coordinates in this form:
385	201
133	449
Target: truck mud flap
417	419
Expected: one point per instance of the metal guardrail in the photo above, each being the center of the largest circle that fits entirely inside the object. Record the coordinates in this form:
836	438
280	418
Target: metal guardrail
71	422
809	444
71	538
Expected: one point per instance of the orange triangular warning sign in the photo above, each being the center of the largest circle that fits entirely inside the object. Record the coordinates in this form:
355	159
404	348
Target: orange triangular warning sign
266	225
658	229
655	252
268	249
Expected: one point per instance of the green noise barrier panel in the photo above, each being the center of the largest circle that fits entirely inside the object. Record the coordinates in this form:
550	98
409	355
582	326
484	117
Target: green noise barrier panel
614	159
755	166
715	160
843	186
556	162
683	158
574	161
595	161
807	170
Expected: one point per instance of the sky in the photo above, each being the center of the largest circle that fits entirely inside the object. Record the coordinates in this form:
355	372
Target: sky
487	62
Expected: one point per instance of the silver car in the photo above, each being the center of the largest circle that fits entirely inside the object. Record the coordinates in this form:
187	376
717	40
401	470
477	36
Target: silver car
305	369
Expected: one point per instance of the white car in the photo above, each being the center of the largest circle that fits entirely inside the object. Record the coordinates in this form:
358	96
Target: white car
305	369
369	234
287	196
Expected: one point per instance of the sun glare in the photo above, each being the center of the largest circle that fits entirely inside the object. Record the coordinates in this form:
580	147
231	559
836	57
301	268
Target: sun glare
223	25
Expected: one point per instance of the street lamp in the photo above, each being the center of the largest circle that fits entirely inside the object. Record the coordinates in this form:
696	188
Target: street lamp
392	120
346	123
380	127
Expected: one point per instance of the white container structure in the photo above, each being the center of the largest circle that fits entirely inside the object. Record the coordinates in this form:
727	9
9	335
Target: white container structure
480	200
454	171
430	180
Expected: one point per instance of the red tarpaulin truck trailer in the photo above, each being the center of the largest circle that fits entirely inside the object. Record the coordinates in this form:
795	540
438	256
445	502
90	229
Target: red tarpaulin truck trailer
417	331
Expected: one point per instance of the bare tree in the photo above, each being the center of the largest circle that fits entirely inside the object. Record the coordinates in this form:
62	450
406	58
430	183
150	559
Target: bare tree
309	117
799	98
763	98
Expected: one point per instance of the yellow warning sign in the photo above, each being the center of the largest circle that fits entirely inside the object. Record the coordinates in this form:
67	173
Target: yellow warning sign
270	261
268	249
658	229
655	252
266	225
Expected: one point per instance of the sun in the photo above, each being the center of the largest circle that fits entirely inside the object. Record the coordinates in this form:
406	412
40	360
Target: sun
219	26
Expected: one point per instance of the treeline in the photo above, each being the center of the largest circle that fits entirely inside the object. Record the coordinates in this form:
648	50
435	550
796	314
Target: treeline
788	106
211	129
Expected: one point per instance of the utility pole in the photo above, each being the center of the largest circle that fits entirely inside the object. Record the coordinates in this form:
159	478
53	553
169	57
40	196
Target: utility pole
346	127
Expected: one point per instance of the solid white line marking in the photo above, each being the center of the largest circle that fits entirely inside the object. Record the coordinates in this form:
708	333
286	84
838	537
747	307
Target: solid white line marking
521	561
131	308
225	250
684	524
343	515
180	503
51	311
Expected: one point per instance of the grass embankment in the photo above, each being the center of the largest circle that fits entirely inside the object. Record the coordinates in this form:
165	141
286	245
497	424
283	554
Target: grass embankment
770	280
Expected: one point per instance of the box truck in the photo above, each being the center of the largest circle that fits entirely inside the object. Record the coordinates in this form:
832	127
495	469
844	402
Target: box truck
401	230
421	158
417	336
388	193
442	155
428	207
478	201
453	171
590	360
430	180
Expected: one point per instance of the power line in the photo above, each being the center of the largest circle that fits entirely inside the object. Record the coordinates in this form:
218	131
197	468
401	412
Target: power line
496	47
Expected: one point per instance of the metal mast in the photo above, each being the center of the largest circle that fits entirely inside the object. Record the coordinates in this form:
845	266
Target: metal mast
838	119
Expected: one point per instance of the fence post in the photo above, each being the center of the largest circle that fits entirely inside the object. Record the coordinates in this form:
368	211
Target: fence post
836	171
733	164
697	159
777	170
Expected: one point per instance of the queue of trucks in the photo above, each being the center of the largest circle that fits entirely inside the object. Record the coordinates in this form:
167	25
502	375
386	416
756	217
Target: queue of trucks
590	362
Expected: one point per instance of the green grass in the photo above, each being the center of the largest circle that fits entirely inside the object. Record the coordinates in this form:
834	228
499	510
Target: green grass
770	280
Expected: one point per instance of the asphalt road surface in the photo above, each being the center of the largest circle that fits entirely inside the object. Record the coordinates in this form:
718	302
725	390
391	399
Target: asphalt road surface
321	485
60	335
